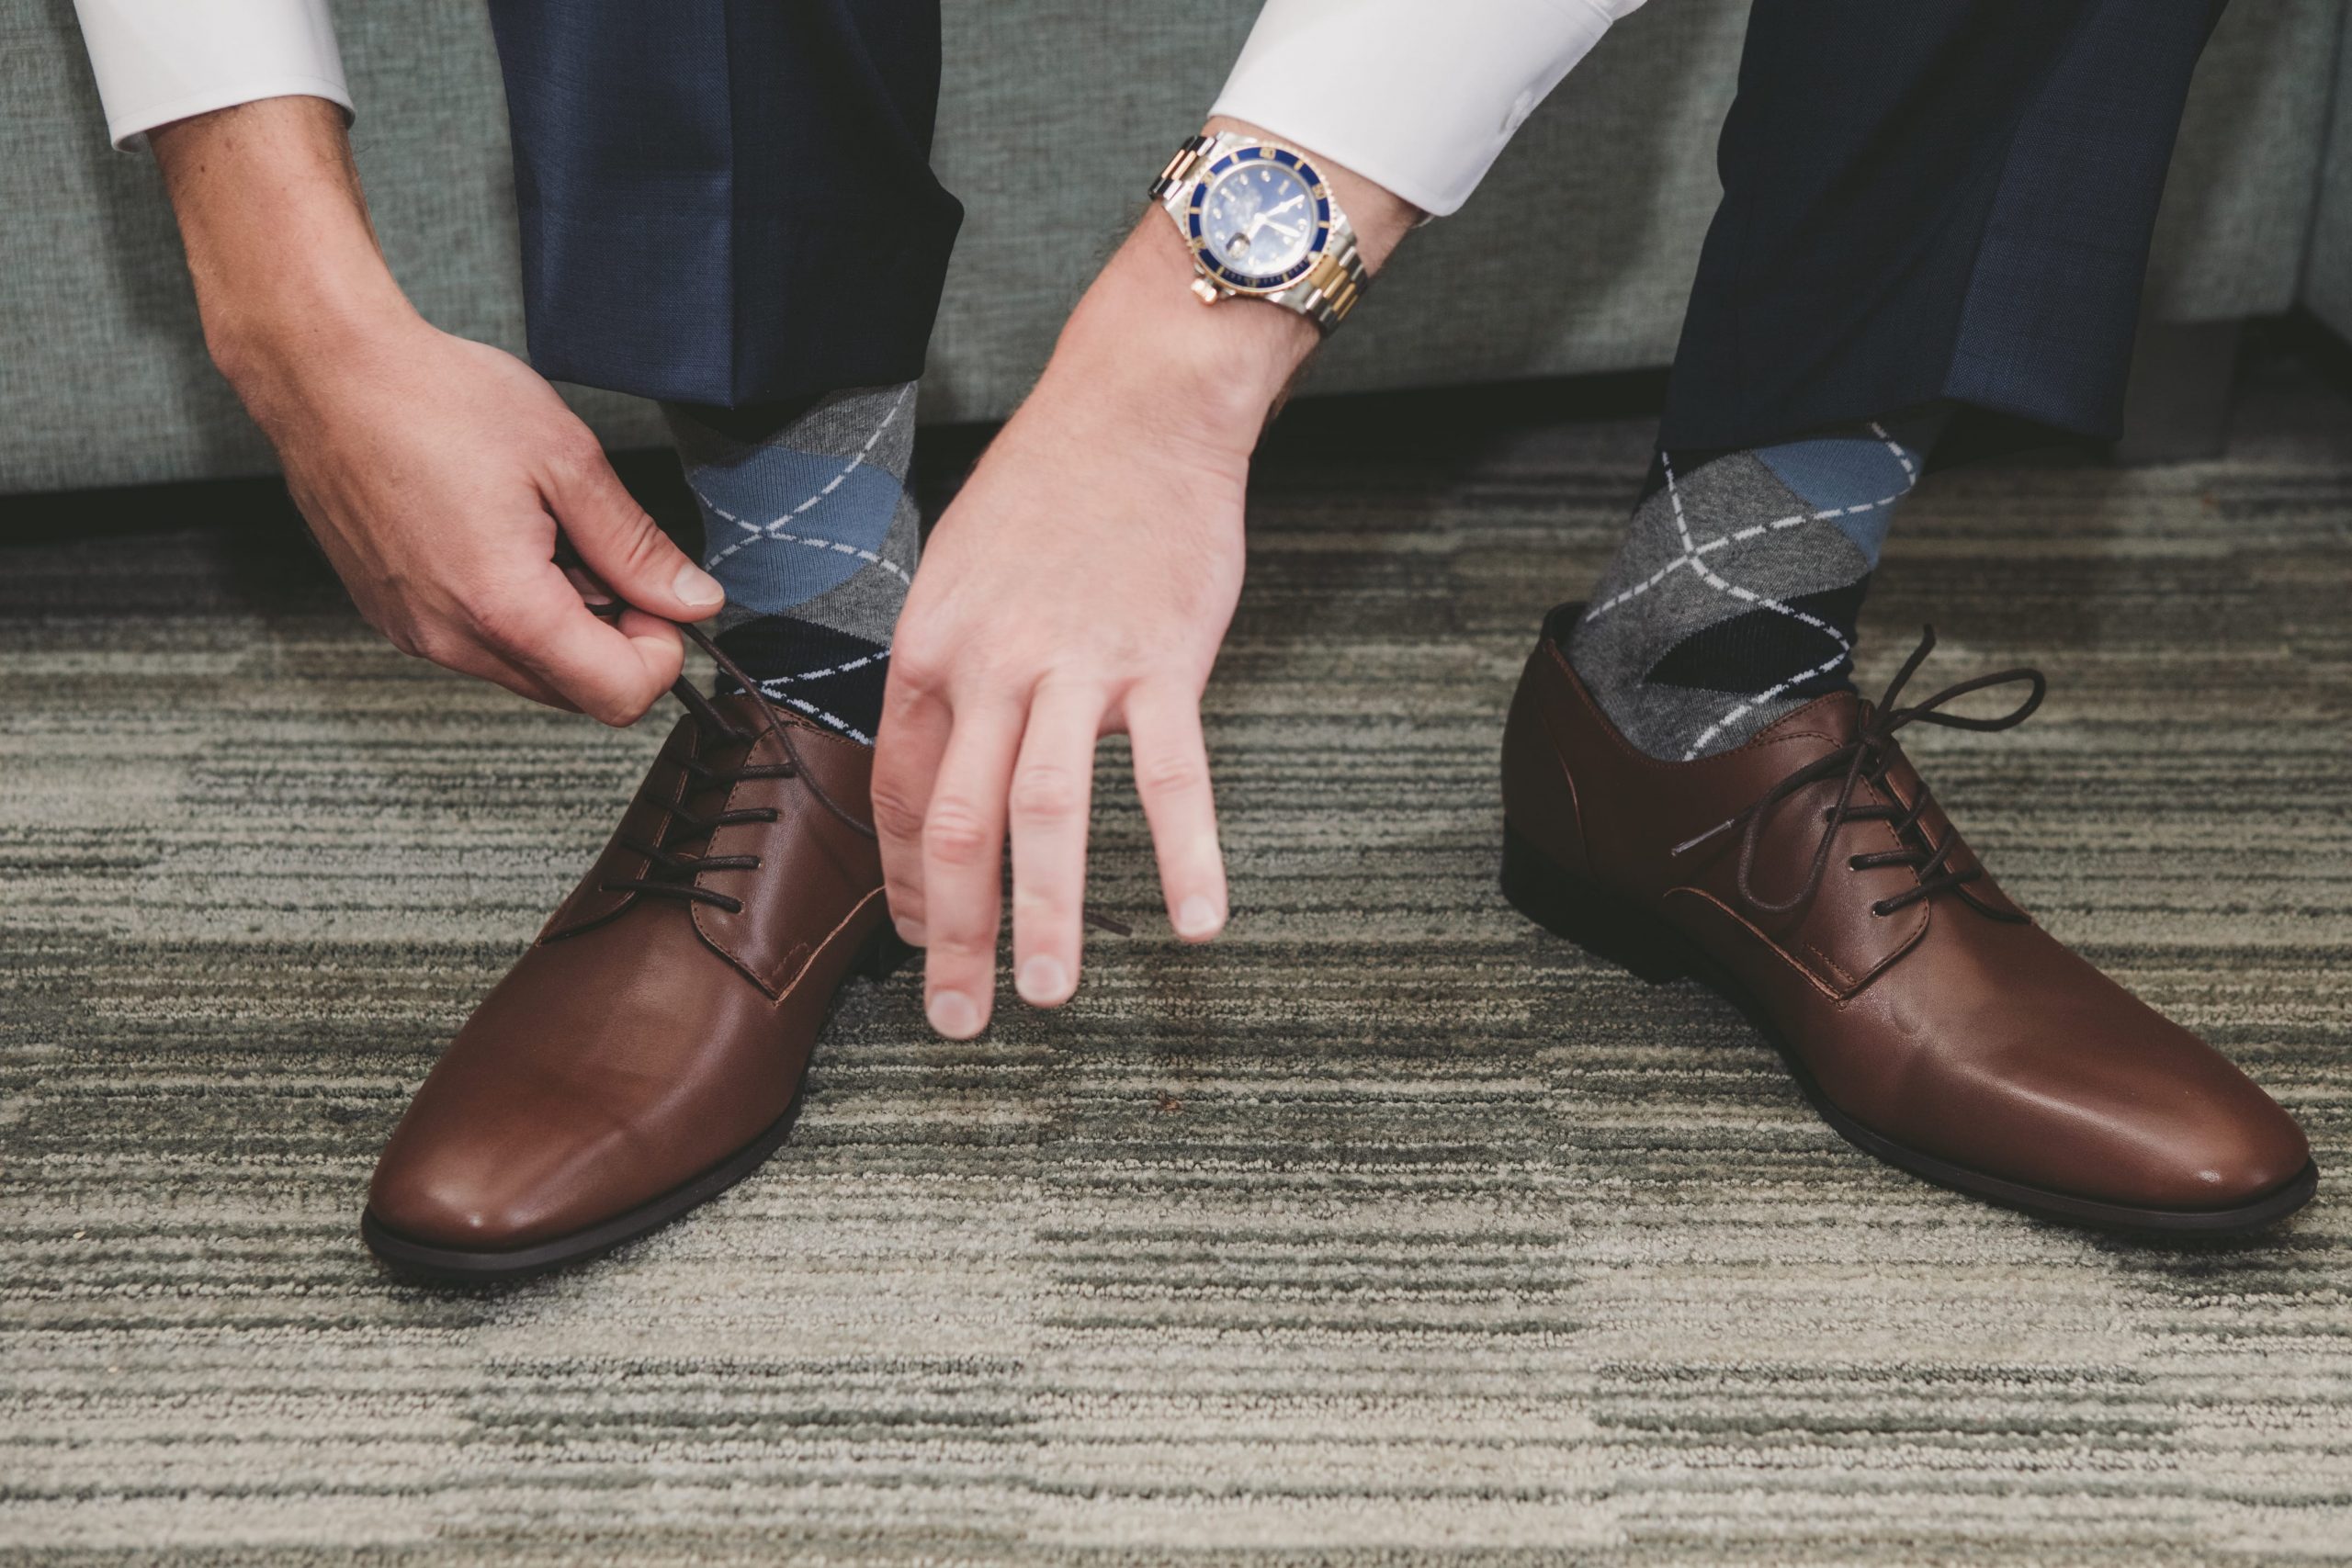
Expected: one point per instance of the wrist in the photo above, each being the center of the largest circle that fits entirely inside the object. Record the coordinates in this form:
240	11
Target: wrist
1141	338
266	334
280	250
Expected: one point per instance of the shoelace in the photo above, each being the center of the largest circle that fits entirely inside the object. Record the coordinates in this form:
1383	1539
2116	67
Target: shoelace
1867	756
712	727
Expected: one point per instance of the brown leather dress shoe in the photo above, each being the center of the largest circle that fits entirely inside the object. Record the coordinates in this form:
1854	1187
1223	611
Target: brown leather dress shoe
1809	878
648	1050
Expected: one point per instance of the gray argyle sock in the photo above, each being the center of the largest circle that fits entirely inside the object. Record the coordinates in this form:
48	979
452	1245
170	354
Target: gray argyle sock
1734	597
808	525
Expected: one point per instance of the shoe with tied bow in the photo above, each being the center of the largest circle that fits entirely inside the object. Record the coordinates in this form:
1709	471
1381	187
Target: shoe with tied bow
1810	878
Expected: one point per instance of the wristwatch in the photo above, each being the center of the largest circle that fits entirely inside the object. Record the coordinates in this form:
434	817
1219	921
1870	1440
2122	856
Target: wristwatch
1261	223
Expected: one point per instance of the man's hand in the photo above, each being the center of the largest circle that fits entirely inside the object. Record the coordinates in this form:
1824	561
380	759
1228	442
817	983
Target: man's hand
1063	597
1080	586
434	471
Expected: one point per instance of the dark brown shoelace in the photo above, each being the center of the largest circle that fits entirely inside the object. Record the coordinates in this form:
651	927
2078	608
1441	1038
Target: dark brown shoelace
1867	756
679	871
676	872
673	873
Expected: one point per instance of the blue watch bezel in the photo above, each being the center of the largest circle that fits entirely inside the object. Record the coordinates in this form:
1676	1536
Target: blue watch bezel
1249	282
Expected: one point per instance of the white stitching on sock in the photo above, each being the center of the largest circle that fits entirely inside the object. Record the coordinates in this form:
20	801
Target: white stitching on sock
756	532
1731	589
1691	556
1910	473
1758	530
822	674
836	720
1722	585
1761	697
814	543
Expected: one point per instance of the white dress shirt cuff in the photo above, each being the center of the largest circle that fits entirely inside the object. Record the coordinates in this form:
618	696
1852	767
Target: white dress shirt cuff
1417	97
158	60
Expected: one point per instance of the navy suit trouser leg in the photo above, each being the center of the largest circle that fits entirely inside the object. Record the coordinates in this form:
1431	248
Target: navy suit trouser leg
727	202
1928	200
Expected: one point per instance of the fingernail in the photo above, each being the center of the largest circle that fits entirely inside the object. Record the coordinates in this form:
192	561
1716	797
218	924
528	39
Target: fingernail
911	932
696	586
1196	917
1042	981
953	1014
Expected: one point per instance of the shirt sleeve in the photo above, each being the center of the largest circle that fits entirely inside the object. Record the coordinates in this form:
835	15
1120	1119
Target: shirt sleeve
1420	97
158	60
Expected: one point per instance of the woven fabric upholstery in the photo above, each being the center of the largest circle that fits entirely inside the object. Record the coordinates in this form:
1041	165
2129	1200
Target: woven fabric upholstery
1575	256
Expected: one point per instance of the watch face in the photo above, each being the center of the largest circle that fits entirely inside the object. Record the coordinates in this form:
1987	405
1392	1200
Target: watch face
1257	220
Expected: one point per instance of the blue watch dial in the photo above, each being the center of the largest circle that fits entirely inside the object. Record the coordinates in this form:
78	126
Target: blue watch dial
1258	221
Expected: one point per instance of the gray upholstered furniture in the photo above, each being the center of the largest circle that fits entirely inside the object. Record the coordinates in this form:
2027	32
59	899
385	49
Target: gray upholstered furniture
2327	269
1575	257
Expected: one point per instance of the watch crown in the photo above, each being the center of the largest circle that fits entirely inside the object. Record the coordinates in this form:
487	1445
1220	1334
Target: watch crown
1205	289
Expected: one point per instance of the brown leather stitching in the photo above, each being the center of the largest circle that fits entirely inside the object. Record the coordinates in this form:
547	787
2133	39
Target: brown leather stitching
826	942
1567	779
594	883
1768	736
1938	863
1862	763
1829	992
743	776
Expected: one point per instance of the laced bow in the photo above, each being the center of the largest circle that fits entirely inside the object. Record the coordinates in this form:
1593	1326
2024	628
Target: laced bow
1867	756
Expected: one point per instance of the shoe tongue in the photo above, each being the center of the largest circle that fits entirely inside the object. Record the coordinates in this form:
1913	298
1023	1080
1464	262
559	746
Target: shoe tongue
1824	725
747	714
706	798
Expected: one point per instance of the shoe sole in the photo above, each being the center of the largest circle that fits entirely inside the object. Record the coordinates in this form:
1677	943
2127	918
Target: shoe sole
881	957
1612	928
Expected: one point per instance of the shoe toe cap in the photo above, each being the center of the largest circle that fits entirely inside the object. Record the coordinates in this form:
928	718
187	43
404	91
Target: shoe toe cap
443	1198
2227	1151
464	1178
2176	1129
450	1213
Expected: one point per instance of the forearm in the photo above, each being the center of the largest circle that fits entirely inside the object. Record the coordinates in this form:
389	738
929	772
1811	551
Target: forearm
439	474
279	246
1080	583
1141	338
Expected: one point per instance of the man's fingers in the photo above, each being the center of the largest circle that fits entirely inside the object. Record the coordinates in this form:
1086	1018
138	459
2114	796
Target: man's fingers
1172	777
962	879
657	645
611	673
1053	782
906	752
483	665
619	543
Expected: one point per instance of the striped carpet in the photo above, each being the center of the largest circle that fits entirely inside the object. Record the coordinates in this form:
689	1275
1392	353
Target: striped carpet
1388	1230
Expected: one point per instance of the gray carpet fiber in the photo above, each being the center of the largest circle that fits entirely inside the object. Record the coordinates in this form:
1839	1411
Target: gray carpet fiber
1388	1230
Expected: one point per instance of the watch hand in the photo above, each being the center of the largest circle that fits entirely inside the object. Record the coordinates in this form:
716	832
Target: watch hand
1286	205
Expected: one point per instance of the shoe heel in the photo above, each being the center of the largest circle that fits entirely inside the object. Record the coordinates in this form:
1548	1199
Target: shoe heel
883	955
1600	923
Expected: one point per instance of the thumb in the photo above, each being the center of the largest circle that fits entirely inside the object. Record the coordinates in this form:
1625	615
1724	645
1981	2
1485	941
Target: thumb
621	545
